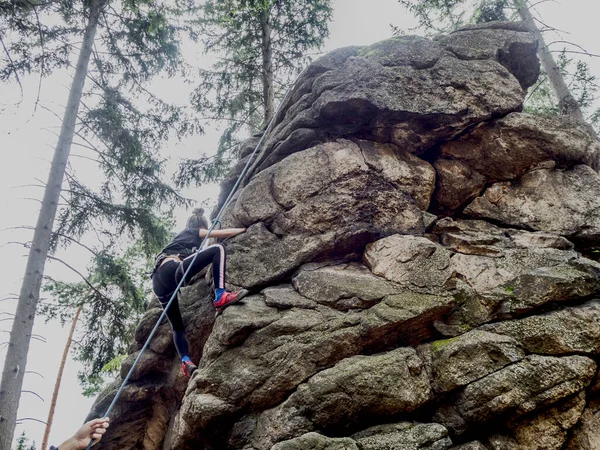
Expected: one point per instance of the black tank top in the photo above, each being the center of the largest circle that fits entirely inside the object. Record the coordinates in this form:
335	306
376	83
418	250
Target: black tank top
185	243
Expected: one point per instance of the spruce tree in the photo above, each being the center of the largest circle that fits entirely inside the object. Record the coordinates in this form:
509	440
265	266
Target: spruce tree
125	44
18	347
260	47
23	443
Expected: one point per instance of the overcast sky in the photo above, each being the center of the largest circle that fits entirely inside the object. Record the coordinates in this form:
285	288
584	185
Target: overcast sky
27	142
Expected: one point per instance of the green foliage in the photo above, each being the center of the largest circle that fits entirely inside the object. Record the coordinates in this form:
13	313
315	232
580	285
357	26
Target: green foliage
136	36
136	40
31	44
232	89
440	16
114	364
203	170
491	10
232	29
23	443
122	126
435	15
582	84
114	297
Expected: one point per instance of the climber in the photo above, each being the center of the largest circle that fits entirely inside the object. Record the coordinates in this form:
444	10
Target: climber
172	263
92	430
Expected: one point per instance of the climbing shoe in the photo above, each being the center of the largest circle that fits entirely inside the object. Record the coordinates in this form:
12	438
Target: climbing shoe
188	368
229	298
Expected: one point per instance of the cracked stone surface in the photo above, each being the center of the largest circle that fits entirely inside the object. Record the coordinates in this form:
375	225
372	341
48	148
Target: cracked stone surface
507	149
565	202
546	430
467	358
421	264
348	393
520	388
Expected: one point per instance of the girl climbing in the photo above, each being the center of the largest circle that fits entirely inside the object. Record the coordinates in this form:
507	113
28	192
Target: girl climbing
171	265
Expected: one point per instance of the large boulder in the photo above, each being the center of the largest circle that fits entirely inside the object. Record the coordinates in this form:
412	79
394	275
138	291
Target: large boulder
507	42
399	436
412	261
343	286
474	445
563	332
459	361
356	91
565	202
586	435
313	204
258	354
404	436
508	148
547	430
316	441
492	272
533	383
352	391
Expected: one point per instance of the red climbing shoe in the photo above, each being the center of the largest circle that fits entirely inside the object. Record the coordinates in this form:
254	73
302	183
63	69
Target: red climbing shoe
188	368
229	298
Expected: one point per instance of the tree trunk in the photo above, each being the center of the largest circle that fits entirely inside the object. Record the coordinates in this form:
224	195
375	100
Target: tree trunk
267	66
20	336
567	104
58	380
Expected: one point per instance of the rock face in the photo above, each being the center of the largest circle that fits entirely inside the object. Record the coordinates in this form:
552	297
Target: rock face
564	202
507	149
417	252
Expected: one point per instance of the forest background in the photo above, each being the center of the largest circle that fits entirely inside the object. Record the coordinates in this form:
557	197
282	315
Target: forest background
27	140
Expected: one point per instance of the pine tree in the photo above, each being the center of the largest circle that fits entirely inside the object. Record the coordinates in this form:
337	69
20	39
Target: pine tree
566	102
260	46
16	356
125	43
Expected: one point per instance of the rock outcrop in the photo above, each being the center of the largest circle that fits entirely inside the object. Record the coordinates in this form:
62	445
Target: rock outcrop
420	259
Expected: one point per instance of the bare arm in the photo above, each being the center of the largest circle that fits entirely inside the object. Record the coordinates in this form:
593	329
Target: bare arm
94	429
225	233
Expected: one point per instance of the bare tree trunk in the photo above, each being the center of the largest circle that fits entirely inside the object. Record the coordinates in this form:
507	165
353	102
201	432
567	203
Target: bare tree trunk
567	104
20	336
58	380
267	66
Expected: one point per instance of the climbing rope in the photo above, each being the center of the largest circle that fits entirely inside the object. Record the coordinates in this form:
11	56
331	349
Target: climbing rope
202	246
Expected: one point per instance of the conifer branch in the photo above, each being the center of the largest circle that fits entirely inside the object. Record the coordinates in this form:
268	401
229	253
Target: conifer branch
34	393
83	277
39	27
75	241
19	421
12	66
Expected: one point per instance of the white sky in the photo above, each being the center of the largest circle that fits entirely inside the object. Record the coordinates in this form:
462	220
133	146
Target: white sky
27	142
